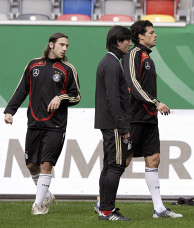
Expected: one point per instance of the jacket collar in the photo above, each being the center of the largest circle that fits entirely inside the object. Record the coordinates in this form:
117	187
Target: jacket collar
53	60
144	48
119	54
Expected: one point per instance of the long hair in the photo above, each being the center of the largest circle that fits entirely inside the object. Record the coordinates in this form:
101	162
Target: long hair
53	38
117	33
139	27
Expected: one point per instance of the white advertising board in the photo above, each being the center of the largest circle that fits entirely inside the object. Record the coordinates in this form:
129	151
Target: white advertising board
78	168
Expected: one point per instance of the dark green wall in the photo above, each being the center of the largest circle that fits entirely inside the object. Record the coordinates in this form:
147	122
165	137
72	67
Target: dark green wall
21	43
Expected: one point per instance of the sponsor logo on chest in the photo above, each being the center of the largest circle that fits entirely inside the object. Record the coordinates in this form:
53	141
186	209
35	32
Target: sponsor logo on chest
147	65
35	72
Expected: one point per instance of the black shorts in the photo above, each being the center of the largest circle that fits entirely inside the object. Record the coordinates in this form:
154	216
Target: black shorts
43	146
145	140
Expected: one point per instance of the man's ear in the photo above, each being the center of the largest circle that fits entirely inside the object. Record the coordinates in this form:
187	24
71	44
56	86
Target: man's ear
141	37
51	45
118	43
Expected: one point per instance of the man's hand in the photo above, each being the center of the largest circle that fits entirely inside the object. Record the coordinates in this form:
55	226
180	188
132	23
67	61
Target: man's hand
163	109
126	136
54	104
8	118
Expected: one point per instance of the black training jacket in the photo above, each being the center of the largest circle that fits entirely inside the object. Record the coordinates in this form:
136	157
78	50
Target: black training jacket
112	97
141	77
42	81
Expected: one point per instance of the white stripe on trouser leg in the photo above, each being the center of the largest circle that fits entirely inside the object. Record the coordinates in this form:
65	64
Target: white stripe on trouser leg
118	147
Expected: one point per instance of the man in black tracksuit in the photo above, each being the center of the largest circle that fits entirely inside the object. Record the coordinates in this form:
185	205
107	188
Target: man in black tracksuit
52	85
112	117
141	76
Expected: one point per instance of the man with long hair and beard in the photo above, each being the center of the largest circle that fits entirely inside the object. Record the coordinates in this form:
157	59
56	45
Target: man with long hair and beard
52	85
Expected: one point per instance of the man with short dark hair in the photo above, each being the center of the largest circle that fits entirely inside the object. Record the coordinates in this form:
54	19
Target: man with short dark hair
112	118
52	85
141	76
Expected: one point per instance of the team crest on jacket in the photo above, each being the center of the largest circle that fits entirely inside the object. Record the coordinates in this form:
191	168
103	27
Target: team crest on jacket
147	66
56	77
35	72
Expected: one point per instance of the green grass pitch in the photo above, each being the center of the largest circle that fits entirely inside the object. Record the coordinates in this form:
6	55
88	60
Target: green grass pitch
62	214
